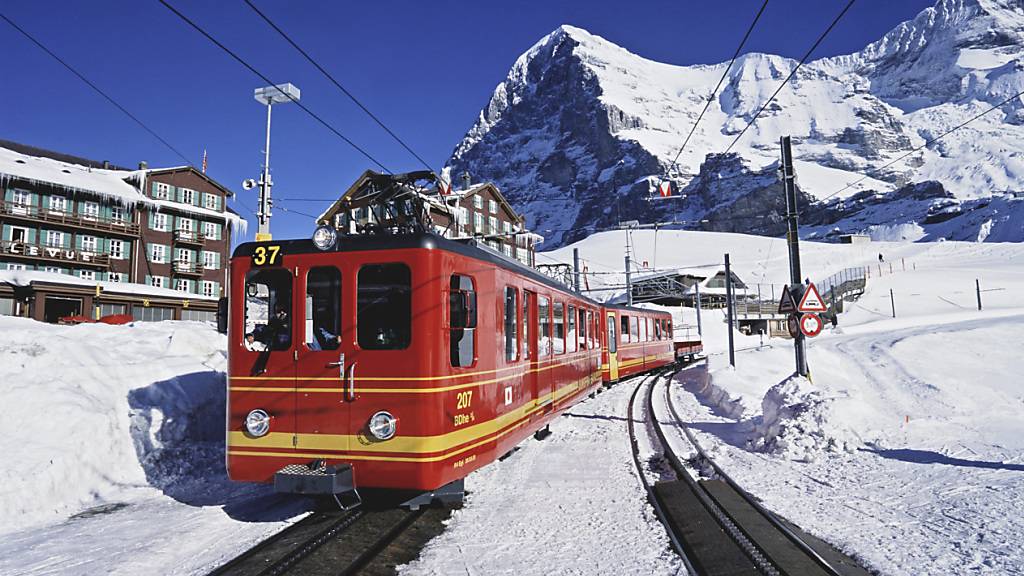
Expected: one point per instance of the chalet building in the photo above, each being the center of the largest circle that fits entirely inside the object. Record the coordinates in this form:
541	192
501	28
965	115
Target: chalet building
476	211
69	225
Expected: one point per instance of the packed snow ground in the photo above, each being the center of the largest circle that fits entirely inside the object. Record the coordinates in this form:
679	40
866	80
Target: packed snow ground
113	463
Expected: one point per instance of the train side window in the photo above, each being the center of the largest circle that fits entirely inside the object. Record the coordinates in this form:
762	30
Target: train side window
657	329
582	323
643	328
590	334
527	296
571	337
544	321
384	298
559	318
323	308
268	310
462	320
634	329
625	329
613	341
511	324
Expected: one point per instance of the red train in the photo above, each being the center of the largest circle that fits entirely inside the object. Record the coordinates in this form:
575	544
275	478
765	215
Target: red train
407	361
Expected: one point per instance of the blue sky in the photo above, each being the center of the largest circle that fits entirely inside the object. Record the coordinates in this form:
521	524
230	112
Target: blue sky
425	68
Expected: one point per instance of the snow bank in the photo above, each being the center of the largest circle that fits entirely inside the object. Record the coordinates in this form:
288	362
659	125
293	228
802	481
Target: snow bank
96	413
797	422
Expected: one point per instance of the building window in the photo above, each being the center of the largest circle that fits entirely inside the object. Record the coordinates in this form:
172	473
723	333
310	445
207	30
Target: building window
86	274
186	224
478	202
493	224
159	222
507	249
117	214
89	243
156	281
522	255
152	313
13	266
112	309
58	204
91	210
21	197
161	191
210	202
209	288
117	249
492	206
158	253
187	196
19	234
506	227
115	277
478	222
384	297
184	255
52	269
54	239
210	260
181	285
462	320
211	230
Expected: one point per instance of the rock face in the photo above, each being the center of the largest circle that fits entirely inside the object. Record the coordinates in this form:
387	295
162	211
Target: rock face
581	131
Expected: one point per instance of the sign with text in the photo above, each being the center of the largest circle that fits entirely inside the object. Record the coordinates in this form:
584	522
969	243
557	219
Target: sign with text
811	301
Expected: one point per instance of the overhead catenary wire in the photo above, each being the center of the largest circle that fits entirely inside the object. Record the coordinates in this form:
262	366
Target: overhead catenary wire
337	84
263	77
96	89
711	97
790	76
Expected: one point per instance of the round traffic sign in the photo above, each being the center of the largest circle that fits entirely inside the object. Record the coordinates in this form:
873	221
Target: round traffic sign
810	325
793	324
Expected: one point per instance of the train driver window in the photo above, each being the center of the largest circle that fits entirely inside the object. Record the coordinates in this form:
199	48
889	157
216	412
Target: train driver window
559	317
268	310
625	329
511	324
384	299
462	320
323	309
613	341
571	339
543	319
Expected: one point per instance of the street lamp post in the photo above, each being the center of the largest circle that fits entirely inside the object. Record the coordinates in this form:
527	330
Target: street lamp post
269	96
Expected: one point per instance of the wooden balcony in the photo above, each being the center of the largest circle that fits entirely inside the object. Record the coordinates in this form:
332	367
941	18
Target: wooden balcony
53	255
36	214
190	237
185	268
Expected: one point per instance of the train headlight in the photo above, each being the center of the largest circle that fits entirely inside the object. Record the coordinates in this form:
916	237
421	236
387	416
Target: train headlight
257	423
324	237
382	425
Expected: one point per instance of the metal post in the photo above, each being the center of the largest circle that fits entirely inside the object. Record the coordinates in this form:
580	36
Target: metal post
629	284
893	302
700	330
263	210
793	238
576	269
977	290
729	309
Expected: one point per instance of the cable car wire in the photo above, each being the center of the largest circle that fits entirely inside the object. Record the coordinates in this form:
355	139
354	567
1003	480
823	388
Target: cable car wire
252	69
336	83
96	89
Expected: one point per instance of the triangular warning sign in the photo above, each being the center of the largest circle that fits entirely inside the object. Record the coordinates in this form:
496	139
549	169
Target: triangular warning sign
786	304
665	189
811	302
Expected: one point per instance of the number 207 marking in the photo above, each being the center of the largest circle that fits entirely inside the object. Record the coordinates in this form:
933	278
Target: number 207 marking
464	400
266	255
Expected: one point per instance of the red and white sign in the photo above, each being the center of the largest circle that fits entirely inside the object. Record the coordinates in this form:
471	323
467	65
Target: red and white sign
810	325
811	302
665	189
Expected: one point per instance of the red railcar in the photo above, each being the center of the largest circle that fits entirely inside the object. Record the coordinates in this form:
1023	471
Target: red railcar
407	361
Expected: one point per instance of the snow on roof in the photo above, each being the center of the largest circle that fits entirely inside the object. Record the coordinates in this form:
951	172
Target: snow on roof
26	278
122	186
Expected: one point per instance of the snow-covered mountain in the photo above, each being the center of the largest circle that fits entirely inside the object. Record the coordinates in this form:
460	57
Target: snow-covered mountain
580	131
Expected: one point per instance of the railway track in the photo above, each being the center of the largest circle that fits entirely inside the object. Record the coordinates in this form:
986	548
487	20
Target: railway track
360	541
715	525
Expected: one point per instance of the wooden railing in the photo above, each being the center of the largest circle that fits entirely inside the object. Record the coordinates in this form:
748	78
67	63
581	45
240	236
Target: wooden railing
39	214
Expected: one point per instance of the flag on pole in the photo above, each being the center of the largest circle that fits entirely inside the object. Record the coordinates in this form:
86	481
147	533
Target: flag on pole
204	160
443	188
665	189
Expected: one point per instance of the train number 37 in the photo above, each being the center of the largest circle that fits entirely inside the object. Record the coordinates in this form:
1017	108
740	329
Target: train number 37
266	255
465	399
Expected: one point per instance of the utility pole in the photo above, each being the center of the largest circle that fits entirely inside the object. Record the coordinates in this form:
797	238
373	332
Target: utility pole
729	310
576	269
269	96
700	331
629	283
793	239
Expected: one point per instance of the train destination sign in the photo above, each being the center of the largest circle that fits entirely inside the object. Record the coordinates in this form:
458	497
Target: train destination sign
811	301
810	325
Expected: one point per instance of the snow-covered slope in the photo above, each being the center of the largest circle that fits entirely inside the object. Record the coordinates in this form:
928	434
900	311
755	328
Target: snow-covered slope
579	131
